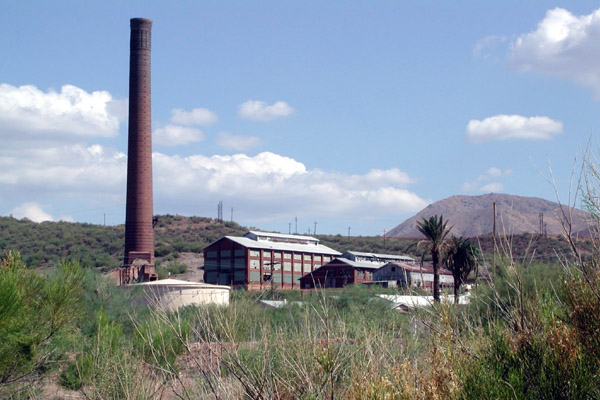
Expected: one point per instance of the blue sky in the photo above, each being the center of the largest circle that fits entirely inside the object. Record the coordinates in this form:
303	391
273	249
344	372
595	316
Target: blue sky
350	114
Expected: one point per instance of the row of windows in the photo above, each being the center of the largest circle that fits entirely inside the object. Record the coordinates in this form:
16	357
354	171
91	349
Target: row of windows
267	254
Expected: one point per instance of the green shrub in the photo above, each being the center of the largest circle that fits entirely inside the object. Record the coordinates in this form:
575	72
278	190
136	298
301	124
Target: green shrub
33	310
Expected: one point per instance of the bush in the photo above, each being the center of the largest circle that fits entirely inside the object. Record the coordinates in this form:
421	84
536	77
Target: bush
33	310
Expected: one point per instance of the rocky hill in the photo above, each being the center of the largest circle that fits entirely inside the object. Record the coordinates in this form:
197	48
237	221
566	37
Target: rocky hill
473	216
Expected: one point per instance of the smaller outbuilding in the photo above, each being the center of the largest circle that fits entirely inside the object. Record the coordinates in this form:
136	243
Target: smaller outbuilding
410	275
338	273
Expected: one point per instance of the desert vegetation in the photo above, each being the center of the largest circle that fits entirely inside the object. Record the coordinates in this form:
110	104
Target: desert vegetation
530	333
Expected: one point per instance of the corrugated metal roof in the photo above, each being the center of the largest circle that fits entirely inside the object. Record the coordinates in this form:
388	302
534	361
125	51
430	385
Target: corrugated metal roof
283	236
377	255
282	246
355	264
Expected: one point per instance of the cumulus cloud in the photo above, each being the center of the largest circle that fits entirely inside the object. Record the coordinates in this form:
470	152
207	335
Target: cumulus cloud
32	211
63	169
197	116
71	174
175	135
235	142
272	185
563	45
503	127
27	112
487	182
267	186
261	111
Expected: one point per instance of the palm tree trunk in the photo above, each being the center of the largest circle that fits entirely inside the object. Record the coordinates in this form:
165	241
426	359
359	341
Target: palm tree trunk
456	289
435	255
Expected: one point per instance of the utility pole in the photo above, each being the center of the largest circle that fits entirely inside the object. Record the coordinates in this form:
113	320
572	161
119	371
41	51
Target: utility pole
231	214
348	233
104	219
296	219
494	220
315	230
290	228
384	240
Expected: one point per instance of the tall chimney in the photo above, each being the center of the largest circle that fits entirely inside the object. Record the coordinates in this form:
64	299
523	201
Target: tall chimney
139	235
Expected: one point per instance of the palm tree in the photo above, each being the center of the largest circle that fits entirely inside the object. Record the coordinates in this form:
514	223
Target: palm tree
435	231
461	260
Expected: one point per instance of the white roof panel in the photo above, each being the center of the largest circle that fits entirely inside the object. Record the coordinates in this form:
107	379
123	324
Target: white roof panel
282	246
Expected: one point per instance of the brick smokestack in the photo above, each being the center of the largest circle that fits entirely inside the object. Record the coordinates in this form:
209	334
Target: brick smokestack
139	236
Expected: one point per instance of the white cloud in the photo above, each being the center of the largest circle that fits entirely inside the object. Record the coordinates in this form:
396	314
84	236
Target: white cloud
46	158
32	211
502	127
493	187
26	112
174	135
261	111
271	185
563	45
198	116
487	182
63	169
235	142
266	187
484	48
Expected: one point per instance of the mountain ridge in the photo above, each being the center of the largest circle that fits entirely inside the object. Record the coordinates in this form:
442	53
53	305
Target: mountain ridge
472	216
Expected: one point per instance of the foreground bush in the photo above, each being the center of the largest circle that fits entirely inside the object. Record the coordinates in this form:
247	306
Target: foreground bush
34	310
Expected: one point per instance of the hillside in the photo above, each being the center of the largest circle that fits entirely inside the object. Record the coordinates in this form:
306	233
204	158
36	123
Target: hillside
179	242
45	244
472	216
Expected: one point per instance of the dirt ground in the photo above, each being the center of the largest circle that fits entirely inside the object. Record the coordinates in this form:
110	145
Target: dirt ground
194	261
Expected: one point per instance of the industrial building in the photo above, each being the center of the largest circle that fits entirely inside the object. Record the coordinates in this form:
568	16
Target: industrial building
339	273
352	267
262	260
410	275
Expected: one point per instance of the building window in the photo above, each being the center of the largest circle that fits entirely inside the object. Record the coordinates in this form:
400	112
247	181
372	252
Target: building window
254	276
326	258
287	266
225	253
240	262
254	253
297	256
240	252
276	255
254	264
317	258
287	256
266	254
307	268
297	267
211	254
307	257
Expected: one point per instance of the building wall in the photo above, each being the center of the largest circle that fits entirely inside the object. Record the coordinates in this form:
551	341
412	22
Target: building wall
229	263
392	272
336	275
